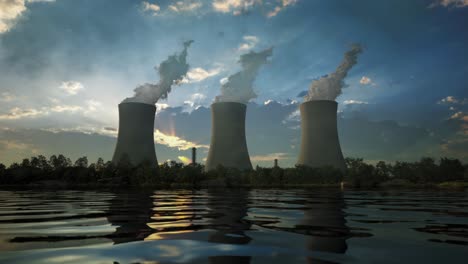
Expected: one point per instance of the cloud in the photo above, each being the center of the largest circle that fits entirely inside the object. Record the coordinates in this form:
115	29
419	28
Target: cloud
280	7
11	10
160	107
460	116
249	43
173	141
449	3
17	113
88	130
71	87
195	100
270	157
17	148
93	105
453	100
7	97
348	102
365	80
236	7
151	8
185	6
293	117
199	74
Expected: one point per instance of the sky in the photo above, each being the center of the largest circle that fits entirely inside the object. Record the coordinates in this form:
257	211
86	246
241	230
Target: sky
65	65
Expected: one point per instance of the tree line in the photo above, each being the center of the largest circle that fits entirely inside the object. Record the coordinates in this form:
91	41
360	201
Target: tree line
58	169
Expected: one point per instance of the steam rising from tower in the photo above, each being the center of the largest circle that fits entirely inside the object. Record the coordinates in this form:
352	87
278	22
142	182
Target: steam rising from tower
136	114
320	144
238	87
228	145
330	86
171	71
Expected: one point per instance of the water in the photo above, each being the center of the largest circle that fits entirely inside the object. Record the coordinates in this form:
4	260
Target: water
234	226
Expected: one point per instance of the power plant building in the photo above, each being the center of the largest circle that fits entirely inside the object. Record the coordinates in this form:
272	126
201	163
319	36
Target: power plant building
135	138
320	144
228	145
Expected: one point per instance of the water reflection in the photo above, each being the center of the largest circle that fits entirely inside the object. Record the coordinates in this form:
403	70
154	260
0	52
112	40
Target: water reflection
324	220
225	217
129	213
230	207
230	226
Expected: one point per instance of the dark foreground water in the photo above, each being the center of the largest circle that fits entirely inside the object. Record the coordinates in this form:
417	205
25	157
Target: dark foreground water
234	226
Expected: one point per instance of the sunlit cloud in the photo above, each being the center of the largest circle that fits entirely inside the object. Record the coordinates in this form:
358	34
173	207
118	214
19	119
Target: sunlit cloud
88	130
11	10
160	107
18	113
173	141
349	102
459	115
236	7
288	102
185	6
21	113
365	80
195	100
280	7
199	74
71	87
249	43
453	100
151	8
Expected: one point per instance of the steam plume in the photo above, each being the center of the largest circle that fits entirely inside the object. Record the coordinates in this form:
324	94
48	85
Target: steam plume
329	87
238	87
171	71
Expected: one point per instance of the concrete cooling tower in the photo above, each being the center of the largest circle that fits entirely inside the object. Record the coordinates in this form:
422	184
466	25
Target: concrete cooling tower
228	146
136	139
320	145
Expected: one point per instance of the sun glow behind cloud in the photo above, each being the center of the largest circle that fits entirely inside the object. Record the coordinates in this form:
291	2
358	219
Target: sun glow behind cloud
173	141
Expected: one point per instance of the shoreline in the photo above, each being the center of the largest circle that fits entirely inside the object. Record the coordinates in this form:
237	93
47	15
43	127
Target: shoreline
451	185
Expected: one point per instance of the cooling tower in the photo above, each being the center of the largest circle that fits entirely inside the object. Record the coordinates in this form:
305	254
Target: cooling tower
320	145
228	146
135	139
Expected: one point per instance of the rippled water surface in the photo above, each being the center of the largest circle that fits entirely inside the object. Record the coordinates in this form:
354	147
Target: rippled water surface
234	226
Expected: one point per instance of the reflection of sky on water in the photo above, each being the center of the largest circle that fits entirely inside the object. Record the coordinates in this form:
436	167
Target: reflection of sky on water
233	226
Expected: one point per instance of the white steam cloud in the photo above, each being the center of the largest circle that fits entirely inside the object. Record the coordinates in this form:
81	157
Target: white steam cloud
329	86
171	71
238	87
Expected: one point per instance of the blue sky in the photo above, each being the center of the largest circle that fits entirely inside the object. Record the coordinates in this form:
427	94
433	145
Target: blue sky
65	65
